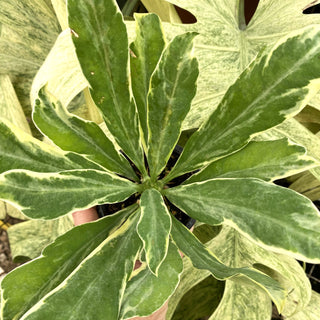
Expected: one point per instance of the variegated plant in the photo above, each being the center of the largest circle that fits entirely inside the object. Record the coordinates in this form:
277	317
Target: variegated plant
87	273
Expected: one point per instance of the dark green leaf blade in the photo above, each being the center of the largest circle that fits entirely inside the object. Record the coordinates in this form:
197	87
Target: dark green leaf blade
58	260
95	288
270	90
273	217
145	54
101	42
154	228
20	150
266	160
172	88
202	258
51	195
77	135
146	292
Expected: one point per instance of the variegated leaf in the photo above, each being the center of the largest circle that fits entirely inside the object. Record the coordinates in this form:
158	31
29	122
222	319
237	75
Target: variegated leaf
281	89
101	42
28	239
172	88
10	107
78	135
154	228
166	11
203	258
266	160
63	77
237	251
256	209
78	269
242	301
145	54
146	292
225	45
51	195
312	311
20	150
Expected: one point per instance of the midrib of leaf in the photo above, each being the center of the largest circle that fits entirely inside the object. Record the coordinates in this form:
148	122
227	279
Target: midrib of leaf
114	95
169	110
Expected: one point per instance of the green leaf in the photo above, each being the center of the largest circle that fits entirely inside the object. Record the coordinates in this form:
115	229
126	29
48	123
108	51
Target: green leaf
172	88
202	258
27	239
225	46
258	210
51	195
281	89
20	150
266	160
235	250
145	54
101	43
78	135
83	251
154	228
146	292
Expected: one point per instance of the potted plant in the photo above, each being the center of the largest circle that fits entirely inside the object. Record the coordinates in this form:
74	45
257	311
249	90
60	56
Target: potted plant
88	271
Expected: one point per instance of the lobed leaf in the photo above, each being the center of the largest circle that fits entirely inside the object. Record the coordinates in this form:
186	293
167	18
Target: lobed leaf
145	54
78	135
172	88
154	228
101	43
276	218
51	195
266	160
202	258
146	292
267	92
39	277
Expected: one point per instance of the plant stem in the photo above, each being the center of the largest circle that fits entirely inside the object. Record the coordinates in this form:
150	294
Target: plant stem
241	15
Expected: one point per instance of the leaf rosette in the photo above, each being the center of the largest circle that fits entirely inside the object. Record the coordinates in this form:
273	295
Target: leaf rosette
144	93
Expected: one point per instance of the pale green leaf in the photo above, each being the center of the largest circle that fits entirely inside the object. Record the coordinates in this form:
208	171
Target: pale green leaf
20	150
172	88
60	71
266	160
101	42
240	302
60	8
10	107
7	209
312	311
190	278
200	301
146	292
145	54
154	228
51	195
225	46
281	89
27	239
308	185
163	9
78	135
58	261
203	258
237	251
256	209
